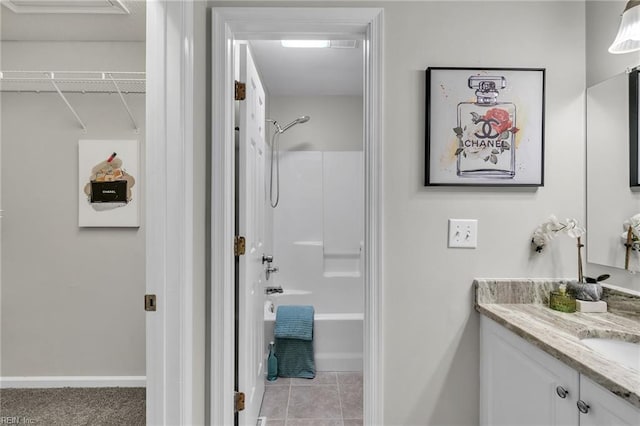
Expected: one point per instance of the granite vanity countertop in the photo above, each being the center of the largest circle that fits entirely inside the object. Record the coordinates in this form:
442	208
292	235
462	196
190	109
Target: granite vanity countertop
522	307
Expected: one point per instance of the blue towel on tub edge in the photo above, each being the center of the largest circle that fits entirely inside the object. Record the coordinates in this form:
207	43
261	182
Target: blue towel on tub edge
294	341
294	322
295	358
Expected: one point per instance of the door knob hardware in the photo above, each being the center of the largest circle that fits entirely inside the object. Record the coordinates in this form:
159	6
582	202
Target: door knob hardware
562	392
583	407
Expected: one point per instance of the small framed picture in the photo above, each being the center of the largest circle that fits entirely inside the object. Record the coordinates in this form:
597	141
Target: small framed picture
485	126
108	178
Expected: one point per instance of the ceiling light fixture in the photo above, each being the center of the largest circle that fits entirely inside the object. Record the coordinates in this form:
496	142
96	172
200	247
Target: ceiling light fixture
306	43
628	38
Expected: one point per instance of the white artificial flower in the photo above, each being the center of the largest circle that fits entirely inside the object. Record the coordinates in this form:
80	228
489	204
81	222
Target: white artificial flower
634	223
539	238
552	225
573	229
548	230
570	223
635	243
576	232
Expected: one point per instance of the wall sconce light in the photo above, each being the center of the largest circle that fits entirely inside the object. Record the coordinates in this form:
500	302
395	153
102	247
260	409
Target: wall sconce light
628	38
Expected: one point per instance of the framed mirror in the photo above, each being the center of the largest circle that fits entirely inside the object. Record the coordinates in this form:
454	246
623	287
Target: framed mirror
613	188
634	179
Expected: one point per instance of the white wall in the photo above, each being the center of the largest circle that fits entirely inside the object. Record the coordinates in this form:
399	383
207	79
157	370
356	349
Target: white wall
335	125
73	56
431	329
430	326
603	19
71	297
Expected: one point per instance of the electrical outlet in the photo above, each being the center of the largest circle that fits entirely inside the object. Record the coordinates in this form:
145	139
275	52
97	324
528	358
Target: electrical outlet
463	233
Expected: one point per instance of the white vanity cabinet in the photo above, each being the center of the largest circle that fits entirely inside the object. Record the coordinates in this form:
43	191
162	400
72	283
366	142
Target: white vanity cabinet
604	408
521	384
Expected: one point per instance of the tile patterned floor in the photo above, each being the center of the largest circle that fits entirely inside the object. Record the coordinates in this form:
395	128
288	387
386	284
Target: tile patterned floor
331	399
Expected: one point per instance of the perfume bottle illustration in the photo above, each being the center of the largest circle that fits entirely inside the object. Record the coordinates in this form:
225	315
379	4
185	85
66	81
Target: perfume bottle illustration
486	132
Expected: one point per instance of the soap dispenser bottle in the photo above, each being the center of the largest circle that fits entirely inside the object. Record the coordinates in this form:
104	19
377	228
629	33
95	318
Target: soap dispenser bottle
486	131
272	364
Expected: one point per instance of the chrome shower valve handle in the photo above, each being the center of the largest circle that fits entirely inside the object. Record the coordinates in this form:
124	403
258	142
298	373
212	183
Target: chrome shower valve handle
270	270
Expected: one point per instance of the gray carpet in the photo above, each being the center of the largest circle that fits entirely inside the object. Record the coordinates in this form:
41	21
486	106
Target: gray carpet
74	406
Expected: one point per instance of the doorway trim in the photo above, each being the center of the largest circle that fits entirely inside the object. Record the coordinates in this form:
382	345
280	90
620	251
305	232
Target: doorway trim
172	338
229	23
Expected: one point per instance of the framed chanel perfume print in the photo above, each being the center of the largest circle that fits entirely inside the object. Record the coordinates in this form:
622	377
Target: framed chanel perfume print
484	126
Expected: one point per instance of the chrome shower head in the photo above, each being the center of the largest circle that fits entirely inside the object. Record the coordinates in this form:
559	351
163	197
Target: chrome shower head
298	120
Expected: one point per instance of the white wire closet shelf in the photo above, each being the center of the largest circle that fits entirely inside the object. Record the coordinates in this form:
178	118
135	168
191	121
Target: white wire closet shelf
85	82
73	81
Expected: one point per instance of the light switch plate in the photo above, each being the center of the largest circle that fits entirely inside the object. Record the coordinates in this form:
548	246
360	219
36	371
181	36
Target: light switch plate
463	233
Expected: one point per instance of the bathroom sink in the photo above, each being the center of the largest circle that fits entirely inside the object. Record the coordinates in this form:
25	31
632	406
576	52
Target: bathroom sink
620	351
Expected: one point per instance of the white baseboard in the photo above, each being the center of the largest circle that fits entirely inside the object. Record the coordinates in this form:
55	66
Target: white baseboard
73	382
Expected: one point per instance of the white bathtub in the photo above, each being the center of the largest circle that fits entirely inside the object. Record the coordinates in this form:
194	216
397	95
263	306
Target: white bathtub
337	340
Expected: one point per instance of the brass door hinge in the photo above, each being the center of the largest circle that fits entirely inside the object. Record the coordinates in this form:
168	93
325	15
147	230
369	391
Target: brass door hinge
239	246
239	401
150	302
241	91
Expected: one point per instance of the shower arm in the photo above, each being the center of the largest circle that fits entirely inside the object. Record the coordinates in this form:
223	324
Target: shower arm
275	123
299	120
274	148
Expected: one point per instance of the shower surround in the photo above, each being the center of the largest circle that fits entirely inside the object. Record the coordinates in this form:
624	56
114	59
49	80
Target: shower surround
318	246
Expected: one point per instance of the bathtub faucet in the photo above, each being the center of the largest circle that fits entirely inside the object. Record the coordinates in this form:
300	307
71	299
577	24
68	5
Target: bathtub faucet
270	270
273	289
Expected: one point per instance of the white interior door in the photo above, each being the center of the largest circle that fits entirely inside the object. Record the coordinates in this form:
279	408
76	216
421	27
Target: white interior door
251	225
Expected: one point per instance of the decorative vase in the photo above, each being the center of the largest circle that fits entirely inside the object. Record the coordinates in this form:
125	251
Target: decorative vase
590	292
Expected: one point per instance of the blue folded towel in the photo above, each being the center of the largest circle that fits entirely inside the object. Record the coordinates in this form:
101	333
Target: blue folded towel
295	358
294	341
294	322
